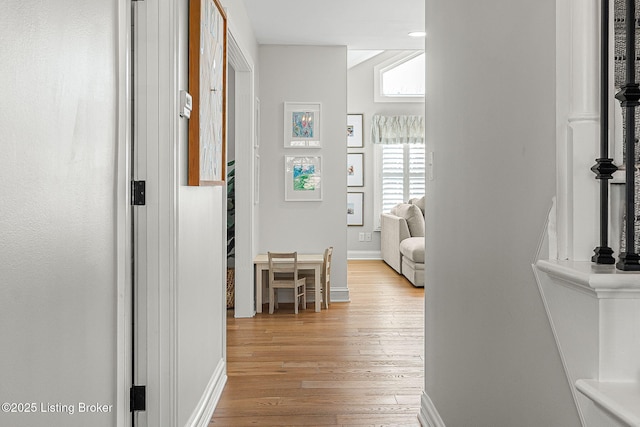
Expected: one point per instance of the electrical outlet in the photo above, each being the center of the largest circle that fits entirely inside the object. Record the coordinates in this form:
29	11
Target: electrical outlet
367	237
361	237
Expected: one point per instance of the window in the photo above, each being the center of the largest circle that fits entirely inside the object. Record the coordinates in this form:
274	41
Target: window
400	176
401	78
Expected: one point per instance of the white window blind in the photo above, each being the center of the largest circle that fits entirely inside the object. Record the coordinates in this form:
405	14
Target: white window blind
401	175
399	157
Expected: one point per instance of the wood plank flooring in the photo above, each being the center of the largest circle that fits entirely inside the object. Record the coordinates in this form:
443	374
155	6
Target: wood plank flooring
355	364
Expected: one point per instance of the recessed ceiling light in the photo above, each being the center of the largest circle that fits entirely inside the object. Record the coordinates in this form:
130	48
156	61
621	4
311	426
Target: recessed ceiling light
417	34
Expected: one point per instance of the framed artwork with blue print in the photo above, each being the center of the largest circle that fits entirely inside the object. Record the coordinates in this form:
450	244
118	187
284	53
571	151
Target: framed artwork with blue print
302	125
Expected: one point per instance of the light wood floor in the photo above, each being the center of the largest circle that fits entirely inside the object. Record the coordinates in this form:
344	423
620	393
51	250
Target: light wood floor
356	364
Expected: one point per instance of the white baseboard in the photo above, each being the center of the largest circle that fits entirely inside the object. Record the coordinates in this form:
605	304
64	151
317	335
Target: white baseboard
377	255
428	415
340	294
203	412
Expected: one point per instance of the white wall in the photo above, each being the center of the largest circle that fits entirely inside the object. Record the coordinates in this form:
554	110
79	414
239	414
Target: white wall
58	217
360	100
305	74
201	286
490	353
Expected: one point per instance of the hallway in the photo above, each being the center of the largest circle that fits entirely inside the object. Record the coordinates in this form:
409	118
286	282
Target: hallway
356	364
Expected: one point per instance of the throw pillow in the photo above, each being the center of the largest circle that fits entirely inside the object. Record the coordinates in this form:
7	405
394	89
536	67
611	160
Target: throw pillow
419	202
394	210
413	215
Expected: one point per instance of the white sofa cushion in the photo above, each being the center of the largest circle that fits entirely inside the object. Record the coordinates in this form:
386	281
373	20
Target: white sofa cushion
413	215
413	248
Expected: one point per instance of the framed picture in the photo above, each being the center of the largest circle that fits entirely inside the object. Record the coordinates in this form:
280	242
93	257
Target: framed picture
207	86
303	178
354	208
355	138
355	169
302	125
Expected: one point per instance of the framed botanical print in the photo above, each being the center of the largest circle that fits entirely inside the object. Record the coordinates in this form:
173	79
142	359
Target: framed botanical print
355	208
207	86
355	137
302	125
355	169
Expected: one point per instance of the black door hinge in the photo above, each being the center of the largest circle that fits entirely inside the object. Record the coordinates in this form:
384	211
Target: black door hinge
138	193
138	398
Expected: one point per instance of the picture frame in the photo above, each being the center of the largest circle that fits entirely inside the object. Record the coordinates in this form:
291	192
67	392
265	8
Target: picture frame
355	208
207	67
355	136
303	178
302	125
355	170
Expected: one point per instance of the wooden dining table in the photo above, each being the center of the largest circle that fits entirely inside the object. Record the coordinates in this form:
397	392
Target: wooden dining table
308	262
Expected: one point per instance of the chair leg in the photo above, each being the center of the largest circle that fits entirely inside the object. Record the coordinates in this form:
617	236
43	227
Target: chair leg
295	300
324	296
328	294
271	298
304	300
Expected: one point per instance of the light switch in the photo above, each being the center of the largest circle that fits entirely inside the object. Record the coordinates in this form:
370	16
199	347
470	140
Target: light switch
186	104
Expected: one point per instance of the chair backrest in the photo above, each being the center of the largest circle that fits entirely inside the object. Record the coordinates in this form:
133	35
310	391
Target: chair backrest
283	266
326	265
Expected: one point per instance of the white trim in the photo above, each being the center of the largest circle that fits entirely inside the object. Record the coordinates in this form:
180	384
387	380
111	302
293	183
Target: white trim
577	137
201	416
603	280
365	255
377	187
618	399
169	110
340	294
605	347
556	337
123	218
398	59
428	415
245	181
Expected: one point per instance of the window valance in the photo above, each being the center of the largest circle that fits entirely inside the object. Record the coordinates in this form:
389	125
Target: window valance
397	129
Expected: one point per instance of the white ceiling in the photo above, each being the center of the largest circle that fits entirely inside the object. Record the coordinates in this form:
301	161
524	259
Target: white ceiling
357	24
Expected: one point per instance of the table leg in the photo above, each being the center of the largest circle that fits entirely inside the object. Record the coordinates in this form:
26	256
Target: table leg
258	289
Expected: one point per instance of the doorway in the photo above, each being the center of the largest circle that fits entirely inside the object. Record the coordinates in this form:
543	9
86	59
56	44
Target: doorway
242	116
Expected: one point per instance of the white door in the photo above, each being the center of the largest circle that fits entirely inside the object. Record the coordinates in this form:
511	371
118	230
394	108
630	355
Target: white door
153	161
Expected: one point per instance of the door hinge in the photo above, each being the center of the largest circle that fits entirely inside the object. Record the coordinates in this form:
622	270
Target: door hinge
138	398
138	193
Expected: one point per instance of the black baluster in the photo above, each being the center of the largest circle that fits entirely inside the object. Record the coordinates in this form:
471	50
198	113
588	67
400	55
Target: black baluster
629	96
604	167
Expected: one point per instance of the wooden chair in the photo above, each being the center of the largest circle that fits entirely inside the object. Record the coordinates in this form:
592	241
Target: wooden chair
283	274
325	277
